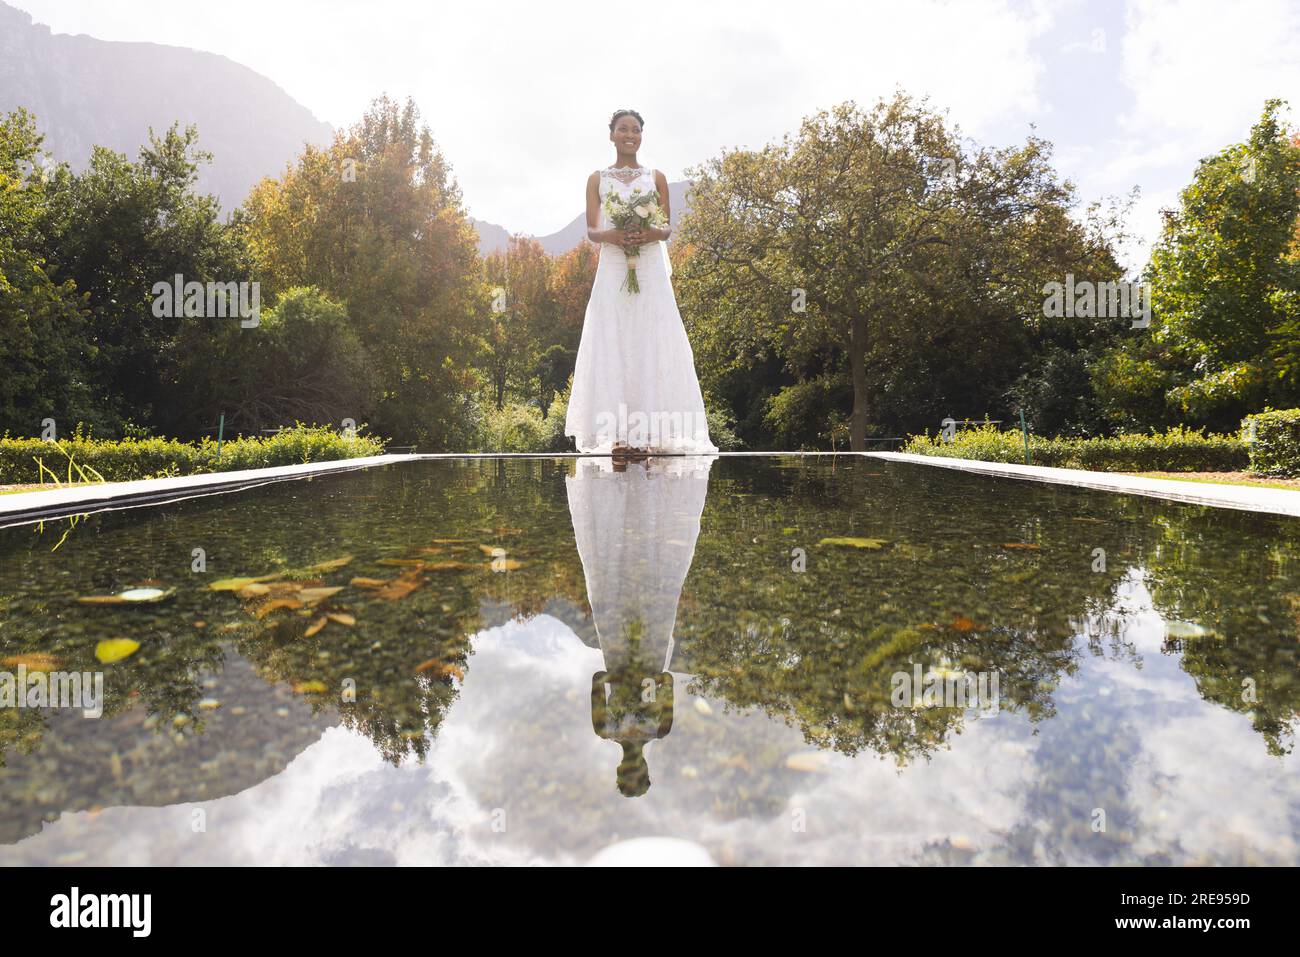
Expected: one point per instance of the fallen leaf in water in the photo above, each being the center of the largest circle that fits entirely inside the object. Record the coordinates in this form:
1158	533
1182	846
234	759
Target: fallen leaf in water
115	649
1023	546
36	661
444	566
505	565
369	582
451	541
809	762
399	588
276	603
400	561
313	595
442	669
315	627
235	584
491	549
431	551
309	687
144	596
332	565
855	542
254	591
962	623
341	618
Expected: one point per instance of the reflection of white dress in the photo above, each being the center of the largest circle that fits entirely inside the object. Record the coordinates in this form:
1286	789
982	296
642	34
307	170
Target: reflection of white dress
636	533
634	382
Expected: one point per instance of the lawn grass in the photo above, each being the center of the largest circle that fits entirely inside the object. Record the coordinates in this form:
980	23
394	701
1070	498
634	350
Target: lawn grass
1223	478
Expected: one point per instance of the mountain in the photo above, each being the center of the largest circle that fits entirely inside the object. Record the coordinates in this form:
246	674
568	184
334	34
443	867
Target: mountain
86	92
492	238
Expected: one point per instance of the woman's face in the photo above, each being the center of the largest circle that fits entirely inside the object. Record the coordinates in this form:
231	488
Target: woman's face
626	135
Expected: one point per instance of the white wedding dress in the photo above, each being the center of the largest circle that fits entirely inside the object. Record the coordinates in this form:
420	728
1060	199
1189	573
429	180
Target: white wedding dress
634	383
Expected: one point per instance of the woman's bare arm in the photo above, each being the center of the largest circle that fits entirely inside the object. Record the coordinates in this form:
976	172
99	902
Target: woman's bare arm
594	233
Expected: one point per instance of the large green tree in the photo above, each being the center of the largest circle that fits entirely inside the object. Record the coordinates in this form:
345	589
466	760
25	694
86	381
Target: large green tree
116	230
1225	286
44	354
888	266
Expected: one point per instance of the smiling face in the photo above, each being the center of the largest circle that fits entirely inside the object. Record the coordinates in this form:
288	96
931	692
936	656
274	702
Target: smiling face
626	136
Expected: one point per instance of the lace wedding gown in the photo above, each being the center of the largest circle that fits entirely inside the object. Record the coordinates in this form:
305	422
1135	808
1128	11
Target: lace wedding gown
634	383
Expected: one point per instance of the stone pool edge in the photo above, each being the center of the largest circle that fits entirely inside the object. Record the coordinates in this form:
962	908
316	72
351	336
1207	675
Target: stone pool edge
1244	497
22	508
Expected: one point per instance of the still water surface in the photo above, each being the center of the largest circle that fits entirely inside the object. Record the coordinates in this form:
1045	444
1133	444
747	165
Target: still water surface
533	660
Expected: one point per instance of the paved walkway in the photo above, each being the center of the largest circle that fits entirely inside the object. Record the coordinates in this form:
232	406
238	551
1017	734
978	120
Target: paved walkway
1248	497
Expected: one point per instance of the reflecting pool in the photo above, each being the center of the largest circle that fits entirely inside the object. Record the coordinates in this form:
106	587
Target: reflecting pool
527	661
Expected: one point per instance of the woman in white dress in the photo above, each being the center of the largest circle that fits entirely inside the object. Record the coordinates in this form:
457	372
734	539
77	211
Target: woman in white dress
635	391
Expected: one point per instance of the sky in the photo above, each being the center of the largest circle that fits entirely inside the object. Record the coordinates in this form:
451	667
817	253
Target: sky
518	95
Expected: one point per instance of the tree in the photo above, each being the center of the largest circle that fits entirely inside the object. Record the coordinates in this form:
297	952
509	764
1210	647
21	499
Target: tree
44	353
1225	290
376	222
869	237
116	230
520	282
304	363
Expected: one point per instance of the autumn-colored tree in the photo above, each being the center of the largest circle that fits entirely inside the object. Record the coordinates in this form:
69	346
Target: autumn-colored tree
376	222
519	278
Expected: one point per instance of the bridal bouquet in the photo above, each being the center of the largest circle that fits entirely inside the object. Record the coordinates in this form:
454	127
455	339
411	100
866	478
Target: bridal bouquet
625	212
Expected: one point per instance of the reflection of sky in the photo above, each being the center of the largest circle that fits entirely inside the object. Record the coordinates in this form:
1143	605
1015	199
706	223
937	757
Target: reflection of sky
1181	781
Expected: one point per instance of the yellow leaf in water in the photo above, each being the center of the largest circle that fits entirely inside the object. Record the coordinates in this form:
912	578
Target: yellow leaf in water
341	618
315	627
855	542
331	565
399	561
235	584
451	541
369	582
1023	546
312	595
254	591
491	549
276	603
115	649
309	687
433	664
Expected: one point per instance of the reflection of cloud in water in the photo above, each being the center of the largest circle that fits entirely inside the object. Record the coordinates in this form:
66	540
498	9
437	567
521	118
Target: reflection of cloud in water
1191	783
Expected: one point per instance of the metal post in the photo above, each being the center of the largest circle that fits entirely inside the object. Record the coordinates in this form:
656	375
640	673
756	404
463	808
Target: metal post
221	434
1024	430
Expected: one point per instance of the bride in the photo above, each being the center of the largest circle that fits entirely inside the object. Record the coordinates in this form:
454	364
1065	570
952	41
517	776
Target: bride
634	386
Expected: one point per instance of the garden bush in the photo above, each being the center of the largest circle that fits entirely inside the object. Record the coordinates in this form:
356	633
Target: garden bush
120	460
1273	437
1176	450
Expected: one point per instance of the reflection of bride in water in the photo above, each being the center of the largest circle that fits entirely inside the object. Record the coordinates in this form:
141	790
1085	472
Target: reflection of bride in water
636	524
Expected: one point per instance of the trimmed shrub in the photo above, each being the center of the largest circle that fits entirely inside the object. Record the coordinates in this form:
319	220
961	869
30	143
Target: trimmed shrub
122	460
1273	437
1177	450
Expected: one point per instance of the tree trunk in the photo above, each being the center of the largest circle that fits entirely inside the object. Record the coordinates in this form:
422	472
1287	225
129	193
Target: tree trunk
858	367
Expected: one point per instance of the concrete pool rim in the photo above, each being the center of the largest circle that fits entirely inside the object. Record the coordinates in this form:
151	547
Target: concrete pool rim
23	508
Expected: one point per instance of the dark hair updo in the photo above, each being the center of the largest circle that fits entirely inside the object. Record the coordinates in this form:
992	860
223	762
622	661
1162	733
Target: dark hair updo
617	113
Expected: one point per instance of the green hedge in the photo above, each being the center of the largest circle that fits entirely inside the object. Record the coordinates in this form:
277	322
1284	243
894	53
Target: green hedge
1178	450
1273	437
121	460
